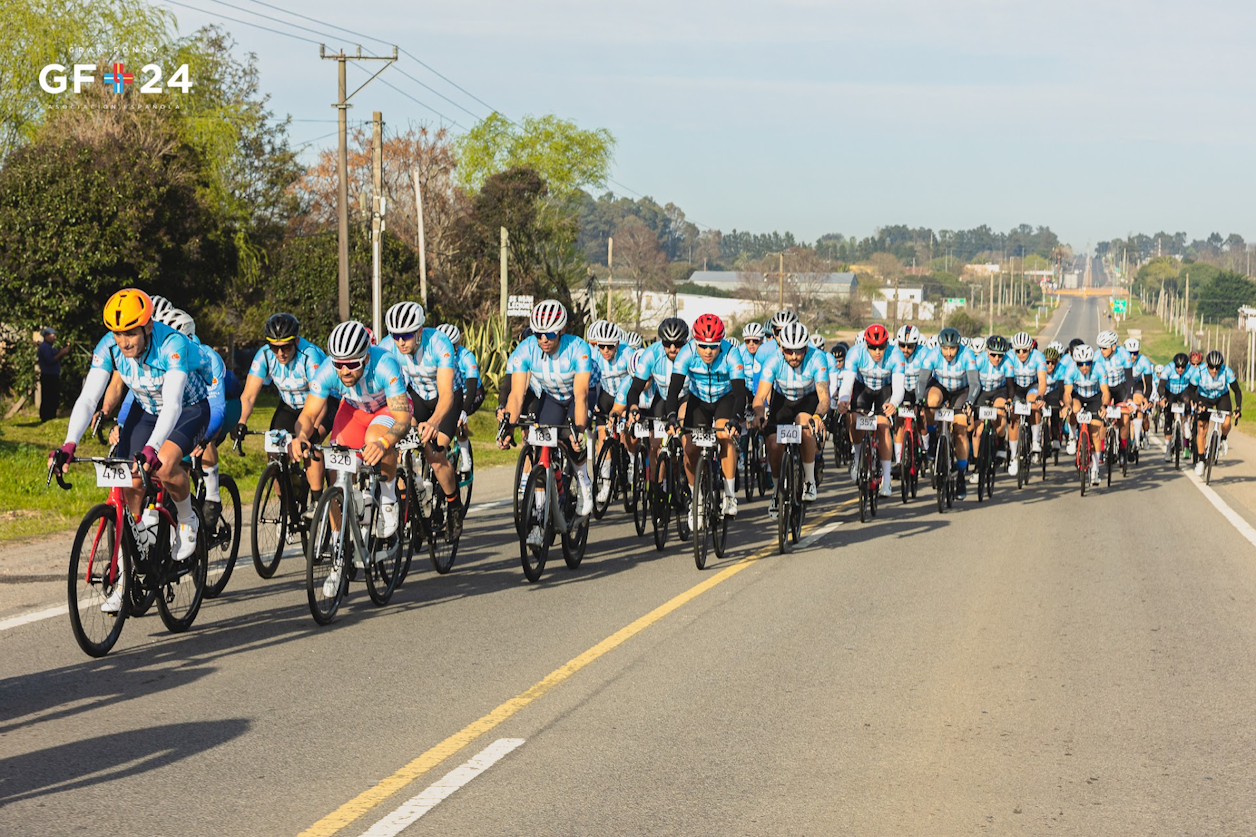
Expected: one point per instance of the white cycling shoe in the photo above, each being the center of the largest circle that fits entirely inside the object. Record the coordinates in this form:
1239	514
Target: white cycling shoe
1013	467
808	492
1037	446
1199	468
331	584
388	514
604	490
886	490
187	539
1072	447
584	499
536	538
113	604
729	505
854	470
1168	453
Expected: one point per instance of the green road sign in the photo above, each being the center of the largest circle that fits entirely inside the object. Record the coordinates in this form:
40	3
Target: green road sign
1119	305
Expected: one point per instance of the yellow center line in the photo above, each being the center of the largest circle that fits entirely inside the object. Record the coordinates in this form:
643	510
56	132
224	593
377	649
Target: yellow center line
362	804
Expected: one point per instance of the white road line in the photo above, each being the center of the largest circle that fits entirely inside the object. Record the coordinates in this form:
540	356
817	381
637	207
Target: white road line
36	616
408	812
1236	520
492	504
818	533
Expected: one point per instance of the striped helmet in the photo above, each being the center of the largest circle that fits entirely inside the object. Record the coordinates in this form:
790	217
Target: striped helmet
451	331
548	315
404	318
349	340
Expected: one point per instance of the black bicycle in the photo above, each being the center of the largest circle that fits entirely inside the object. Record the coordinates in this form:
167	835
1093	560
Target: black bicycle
669	490
280	504
708	497
987	456
790	508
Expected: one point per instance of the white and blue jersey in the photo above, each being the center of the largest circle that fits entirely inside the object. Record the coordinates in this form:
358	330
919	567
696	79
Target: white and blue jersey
1116	365
214	373
554	374
657	368
1142	366
432	353
913	366
291	379
795	383
1025	372
383	379
648	392
753	366
1057	378
951	375
872	374
468	363
167	351
1087	385
1212	386
990	376
614	372
1175	383
710	382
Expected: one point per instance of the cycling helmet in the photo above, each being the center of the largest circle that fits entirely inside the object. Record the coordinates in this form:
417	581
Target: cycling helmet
1181	359
752	331
1159	369
932	342
1196	356
977	344
840	350
674	330
708	329
350	340
876	336
783	318
1215	360
1074	343
603	332
1133	346
160	306
127	309
1022	340
1107	339
634	340
998	344
181	321
817	340
733	341
1057	345
908	335
949	337
1083	354
634	364
794	336
451	331
588	332
281	328
1052	354
965	342
404	318
548	316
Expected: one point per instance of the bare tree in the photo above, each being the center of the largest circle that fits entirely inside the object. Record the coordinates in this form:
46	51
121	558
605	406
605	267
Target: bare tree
639	259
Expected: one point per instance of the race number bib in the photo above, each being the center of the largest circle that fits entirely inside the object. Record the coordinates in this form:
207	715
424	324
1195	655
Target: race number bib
542	437
1083	417
944	414
660	429
907	412
1179	409
641	431
1114	412
789	434
113	476
1218	417
987	413
703	438
865	422
342	460
1022	409
276	441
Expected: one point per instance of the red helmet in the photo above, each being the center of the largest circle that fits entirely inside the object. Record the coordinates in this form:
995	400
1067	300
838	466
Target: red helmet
708	329
876	336
1197	356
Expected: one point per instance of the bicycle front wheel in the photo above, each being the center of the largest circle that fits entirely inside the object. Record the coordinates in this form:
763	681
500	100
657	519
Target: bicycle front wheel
640	490
1214	445
270	520
661	502
701	503
533	556
181	587
603	479
385	555
223	544
576	537
93	578
325	561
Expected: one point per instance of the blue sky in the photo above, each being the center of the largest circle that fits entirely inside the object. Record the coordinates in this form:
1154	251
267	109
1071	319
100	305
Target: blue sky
1096	118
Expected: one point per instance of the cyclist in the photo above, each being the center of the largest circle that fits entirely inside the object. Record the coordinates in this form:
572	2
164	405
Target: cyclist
993	371
752	336
912	354
158	365
634	341
1118	365
948	378
1213	387
710	368
1086	388
1142	384
1028	383
794	390
654	368
612	356
1178	388
769	348
374	414
561	367
874	380
1056	375
1197	359
472	392
290	362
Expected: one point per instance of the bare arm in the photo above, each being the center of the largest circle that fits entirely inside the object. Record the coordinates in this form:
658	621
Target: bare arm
248	398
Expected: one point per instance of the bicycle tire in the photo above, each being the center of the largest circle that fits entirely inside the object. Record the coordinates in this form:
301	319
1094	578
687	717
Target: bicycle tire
874	467
1109	455
783	511
269	533
1177	445
383	561
681	498
466	483
527	456
905	466
321	560
719	529
747	470
604	457
863	480
440	552
97	632
576	538
622	458
406	518
764	468
533	558
181	585
1214	445
223	547
1083	459
660	502
942	469
982	470
799	507
701	506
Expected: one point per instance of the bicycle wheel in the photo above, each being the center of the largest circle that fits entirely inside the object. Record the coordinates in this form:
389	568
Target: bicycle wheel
1214	444
639	491
681	497
1083	459
466	482
905	466
533	558
223	544
783	511
874	467
181	584
1109	452
385	555
91	582
622	460
606	460
269	535
749	467
763	477
326	557
942	470
719	520
864	482
523	466
1177	445
406	524
800	510
982	469
576	537
701	505
661	502
440	551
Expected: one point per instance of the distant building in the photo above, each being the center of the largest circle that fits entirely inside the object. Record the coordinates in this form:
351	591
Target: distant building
1247	318
840	285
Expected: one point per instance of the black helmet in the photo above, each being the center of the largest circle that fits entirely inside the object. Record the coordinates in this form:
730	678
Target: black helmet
1181	359
1074	343
841	349
282	327
949	337
673	330
998	344
1214	360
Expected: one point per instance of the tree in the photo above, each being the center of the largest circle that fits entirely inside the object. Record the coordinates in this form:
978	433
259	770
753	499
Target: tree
1221	298
641	261
565	156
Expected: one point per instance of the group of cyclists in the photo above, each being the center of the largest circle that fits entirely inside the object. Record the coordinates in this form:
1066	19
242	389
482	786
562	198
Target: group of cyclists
176	399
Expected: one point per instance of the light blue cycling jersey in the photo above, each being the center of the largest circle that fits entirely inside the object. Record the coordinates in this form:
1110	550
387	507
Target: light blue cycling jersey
614	372
554	374
382	380
291	379
655	367
1056	378
432	353
635	370
214	373
951	375
1066	361
1176	383
1087	385
1025	373
992	377
795	383
1212	386
710	382
467	362
1116	365
1142	366
870	373
167	351
753	365
913	366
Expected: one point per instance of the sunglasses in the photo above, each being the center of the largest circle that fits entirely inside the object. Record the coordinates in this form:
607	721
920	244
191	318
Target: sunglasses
348	365
755	340
673	344
278	347
409	335
608	346
548	335
708	346
1023	351
996	357
1086	363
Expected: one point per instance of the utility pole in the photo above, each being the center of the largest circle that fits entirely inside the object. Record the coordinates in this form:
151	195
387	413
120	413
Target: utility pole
342	161
894	321
610	277
418	210
505	244
377	222
991	303
780	276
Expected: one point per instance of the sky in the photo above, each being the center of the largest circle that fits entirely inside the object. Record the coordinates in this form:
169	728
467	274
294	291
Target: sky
1097	118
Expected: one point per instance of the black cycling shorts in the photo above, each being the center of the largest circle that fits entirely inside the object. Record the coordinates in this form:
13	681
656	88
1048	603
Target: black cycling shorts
952	398
139	424
784	410
870	399
1055	397
1220	403
1119	393
1093	403
424	409
987	397
701	413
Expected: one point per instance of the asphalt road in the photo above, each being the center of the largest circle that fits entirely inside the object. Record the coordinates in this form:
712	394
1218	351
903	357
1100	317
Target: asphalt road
1039	663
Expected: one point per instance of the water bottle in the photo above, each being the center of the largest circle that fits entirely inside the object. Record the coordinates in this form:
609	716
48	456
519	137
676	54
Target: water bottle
146	529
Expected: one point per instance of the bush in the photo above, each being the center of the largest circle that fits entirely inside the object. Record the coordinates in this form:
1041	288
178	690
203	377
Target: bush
966	324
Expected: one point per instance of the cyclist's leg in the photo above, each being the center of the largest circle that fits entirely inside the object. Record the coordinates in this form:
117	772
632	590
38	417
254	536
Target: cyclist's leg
188	431
779	412
699	414
131	439
885	447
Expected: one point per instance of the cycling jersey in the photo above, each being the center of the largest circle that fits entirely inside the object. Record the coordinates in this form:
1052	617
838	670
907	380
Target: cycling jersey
873	375
1026	372
992	377
710	381
467	362
1175	383
795	383
554	374
646	398
655	367
292	379
432	353
1056	379
1143	366
1212	386
214	373
383	379
1115	366
950	374
753	365
1087	385
912	366
614	372
167	351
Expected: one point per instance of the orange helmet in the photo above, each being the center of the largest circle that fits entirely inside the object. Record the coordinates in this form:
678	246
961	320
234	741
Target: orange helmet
127	309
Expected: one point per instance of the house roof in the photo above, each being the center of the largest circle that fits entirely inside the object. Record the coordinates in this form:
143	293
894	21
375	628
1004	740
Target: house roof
730	279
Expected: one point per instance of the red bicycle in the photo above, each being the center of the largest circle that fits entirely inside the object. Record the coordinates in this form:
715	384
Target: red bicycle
118	568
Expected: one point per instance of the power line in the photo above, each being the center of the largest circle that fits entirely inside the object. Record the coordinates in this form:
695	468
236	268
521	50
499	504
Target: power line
416	101
237	20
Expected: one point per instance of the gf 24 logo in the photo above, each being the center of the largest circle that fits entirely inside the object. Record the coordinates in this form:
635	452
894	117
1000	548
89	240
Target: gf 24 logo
53	78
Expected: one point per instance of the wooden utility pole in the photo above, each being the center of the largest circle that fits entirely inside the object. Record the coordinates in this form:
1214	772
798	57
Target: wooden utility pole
992	303
377	223
505	245
610	266
418	211
780	276
894	321
342	160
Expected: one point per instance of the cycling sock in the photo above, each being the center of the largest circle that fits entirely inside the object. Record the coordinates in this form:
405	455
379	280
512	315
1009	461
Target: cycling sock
1014	443
1036	430
885	470
898	451
387	491
809	472
730	488
857	450
454	501
962	465
184	509
316	494
606	468
924	438
211	484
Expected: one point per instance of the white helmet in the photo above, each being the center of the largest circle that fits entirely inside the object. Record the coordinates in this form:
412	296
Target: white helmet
783	318
404	318
602	332
1057	345
451	331
966	342
1022	340
733	340
1132	345
752	331
349	340
588	332
1159	369
1083	354
794	336
179	320
161	307
1107	339
932	342
977	344
817	340
634	340
548	315
634	364
909	334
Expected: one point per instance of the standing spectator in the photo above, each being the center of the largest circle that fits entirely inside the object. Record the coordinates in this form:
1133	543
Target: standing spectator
49	374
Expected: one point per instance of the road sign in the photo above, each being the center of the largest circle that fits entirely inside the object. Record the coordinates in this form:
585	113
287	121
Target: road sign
519	306
1119	305
957	302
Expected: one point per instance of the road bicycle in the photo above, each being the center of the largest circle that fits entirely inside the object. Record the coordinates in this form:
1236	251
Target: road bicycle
1212	441
669	490
869	473
1112	441
611	467
549	503
754	473
1085	448
221	536
424	525
987	456
944	464
346	539
912	462
843	450
1177	439
1025	449
1050	444
790	509
118	568
639	483
280	503
708	497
